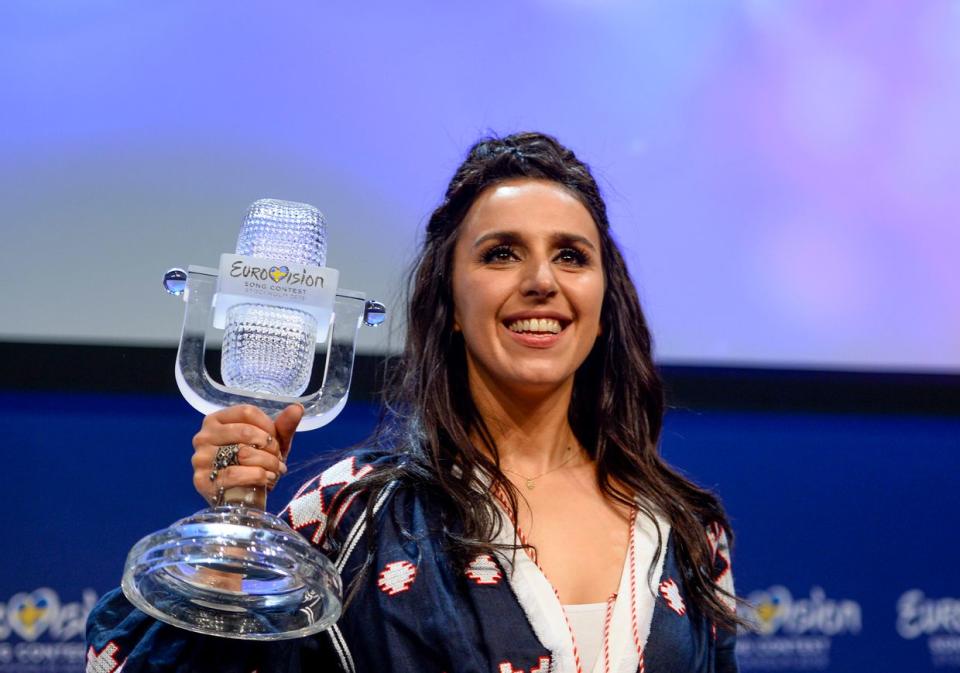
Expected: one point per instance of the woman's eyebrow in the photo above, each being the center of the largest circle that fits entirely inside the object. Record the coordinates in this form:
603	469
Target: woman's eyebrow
561	238
502	236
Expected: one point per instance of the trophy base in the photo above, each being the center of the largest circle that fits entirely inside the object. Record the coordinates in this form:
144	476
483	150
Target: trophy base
233	572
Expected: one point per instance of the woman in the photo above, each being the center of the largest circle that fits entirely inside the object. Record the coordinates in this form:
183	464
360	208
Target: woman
513	511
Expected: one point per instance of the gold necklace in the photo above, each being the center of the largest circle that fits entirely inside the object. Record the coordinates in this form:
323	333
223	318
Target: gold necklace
531	481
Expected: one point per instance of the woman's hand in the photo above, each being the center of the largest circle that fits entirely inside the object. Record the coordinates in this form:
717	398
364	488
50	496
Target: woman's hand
263	447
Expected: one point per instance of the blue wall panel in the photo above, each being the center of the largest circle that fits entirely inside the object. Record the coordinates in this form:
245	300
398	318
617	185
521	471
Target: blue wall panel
838	518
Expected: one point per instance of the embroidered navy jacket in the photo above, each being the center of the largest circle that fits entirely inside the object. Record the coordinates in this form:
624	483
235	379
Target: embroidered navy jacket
416	612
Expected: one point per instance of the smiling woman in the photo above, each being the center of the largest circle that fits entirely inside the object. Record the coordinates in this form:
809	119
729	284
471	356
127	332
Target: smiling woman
527	287
512	513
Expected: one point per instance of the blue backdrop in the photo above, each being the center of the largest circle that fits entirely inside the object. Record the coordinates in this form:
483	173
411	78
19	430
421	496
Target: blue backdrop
846	525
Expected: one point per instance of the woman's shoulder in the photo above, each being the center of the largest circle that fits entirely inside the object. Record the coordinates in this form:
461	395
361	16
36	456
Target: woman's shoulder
339	491
715	532
343	468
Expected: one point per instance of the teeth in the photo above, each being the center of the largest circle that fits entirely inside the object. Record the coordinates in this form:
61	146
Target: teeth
536	325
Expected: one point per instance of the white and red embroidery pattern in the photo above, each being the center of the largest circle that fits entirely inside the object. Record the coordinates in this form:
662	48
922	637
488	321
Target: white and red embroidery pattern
307	509
714	533
396	577
723	554
483	570
543	666
671	594
720	547
105	661
309	505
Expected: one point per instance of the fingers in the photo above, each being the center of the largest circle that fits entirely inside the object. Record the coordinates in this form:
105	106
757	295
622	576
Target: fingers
247	456
225	427
243	475
251	457
237	433
263	446
241	413
286	425
204	458
261	469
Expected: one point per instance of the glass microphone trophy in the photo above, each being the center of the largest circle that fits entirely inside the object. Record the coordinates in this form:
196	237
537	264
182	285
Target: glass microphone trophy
235	570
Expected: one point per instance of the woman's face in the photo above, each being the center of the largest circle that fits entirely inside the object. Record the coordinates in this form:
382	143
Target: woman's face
528	286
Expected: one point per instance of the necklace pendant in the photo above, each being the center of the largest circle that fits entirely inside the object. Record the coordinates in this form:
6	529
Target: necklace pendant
530	484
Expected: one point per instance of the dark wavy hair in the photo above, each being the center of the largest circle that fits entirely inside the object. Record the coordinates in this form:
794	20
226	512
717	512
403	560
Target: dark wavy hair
430	421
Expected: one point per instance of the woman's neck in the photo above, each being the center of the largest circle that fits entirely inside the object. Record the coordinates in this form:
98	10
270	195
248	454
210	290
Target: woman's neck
531	429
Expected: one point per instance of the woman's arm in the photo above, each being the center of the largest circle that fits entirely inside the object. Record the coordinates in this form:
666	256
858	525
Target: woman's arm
121	637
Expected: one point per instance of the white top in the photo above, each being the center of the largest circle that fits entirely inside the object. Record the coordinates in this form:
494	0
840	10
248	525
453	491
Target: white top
632	611
586	622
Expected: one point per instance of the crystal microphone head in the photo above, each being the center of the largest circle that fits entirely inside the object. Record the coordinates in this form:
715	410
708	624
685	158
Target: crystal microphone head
286	230
269	349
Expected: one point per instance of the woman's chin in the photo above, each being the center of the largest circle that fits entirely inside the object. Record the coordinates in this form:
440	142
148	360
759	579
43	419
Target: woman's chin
524	375
539	381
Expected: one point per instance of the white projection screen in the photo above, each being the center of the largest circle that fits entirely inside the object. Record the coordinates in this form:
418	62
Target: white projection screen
784	177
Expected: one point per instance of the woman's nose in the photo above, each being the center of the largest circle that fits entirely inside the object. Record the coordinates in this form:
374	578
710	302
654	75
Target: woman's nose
539	280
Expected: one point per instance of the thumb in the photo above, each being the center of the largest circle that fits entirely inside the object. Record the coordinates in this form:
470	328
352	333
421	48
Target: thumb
286	425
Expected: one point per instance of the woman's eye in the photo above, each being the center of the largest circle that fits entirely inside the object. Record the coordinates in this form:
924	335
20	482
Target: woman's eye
500	253
572	256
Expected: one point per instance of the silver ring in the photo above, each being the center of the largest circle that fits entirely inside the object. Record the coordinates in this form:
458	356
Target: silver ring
226	456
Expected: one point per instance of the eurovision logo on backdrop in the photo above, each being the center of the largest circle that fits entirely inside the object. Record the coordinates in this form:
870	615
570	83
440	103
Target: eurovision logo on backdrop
795	633
935	619
39	631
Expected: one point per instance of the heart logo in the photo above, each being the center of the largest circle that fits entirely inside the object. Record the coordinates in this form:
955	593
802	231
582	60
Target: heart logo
771	608
30	614
278	273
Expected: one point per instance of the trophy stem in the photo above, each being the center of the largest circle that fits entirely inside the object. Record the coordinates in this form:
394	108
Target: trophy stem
247	496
